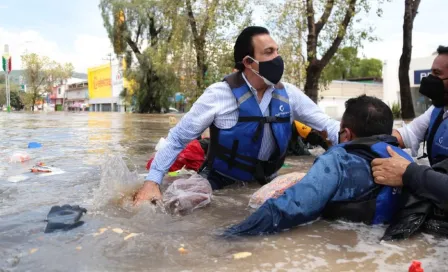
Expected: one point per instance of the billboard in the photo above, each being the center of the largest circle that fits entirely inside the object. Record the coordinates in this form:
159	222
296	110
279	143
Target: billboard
99	82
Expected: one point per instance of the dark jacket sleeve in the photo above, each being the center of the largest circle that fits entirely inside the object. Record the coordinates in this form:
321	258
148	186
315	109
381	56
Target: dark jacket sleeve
426	182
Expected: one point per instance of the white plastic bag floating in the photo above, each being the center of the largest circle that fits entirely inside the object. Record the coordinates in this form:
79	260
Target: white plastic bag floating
161	144
275	188
19	156
185	195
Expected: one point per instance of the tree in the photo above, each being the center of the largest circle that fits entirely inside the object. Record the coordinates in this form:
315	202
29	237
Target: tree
410	11
41	74
370	68
16	99
346	65
146	33
209	19
323	35
173	45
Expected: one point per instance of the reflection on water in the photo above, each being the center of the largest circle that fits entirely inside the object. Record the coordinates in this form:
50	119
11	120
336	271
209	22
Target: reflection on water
79	144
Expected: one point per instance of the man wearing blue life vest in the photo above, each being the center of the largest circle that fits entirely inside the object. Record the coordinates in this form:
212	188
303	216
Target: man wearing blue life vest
339	185
249	115
423	182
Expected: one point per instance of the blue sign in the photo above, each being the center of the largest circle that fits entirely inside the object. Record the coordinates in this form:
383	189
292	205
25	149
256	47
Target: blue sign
419	74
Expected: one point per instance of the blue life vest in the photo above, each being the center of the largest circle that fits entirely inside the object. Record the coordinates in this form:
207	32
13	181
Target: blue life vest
437	137
234	152
379	204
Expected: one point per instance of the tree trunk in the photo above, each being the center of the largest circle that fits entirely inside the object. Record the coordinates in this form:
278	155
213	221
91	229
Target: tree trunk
313	73
316	66
200	71
410	11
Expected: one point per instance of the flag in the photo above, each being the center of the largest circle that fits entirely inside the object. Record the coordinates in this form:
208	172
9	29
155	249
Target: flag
6	63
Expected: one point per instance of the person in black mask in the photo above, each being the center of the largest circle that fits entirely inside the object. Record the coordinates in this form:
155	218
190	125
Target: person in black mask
424	182
249	115
426	127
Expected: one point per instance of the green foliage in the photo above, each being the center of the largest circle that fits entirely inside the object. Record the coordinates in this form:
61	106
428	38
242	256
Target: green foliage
311	32
41	74
346	65
16	99
174	45
396	110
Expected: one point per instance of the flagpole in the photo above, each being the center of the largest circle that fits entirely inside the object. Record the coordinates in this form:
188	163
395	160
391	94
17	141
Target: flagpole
8	94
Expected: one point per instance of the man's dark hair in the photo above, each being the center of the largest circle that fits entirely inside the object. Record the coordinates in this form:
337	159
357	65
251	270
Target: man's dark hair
442	50
244	46
367	116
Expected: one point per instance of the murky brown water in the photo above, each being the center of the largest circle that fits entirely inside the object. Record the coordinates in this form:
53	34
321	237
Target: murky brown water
78	143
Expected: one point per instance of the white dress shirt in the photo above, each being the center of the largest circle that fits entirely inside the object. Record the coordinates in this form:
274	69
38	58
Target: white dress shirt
218	106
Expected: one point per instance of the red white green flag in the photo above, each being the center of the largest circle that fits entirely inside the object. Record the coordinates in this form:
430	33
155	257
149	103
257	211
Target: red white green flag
6	63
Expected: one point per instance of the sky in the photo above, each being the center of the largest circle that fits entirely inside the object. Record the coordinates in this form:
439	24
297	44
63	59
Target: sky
73	31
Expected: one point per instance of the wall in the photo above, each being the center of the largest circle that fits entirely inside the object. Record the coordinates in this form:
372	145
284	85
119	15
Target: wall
79	94
419	67
332	100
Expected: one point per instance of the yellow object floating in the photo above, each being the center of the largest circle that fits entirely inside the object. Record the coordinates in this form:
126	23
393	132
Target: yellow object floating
241	255
78	247
117	230
182	250
130	236
33	250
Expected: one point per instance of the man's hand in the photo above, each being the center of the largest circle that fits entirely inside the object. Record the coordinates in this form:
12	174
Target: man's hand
149	191
390	171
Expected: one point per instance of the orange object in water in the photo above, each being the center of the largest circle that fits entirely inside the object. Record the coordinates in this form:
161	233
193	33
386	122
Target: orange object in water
40	169
416	267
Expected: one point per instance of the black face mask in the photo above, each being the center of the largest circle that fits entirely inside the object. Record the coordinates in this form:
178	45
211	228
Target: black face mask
271	71
433	88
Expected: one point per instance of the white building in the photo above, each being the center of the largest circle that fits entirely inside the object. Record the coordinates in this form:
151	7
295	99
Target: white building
332	100
419	68
76	97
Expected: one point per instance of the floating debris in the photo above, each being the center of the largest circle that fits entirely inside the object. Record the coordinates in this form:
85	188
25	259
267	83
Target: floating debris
78	247
117	230
33	250
130	236
241	255
182	250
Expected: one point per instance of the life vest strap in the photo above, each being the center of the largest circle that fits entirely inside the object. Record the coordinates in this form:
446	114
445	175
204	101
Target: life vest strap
261	122
432	134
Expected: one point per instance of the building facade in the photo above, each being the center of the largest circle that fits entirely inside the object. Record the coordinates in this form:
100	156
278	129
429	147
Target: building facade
419	68
105	84
332	99
77	97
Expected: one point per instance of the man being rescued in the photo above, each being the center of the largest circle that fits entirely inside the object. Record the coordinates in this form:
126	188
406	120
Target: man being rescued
339	185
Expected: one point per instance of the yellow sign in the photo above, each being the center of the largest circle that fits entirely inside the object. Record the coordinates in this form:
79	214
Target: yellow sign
99	82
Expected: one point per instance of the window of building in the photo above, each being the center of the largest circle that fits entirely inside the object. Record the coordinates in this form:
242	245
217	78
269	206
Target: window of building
59	90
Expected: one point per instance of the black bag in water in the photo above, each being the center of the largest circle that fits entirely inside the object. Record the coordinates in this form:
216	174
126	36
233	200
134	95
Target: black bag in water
64	218
409	219
418	212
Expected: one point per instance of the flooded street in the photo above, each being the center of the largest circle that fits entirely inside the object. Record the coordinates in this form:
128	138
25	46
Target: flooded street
78	144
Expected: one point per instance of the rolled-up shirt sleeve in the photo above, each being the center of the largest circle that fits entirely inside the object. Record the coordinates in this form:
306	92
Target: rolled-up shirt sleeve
191	126
307	112
414	132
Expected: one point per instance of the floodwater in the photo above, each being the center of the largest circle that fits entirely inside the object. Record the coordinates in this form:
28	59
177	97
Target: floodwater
81	148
